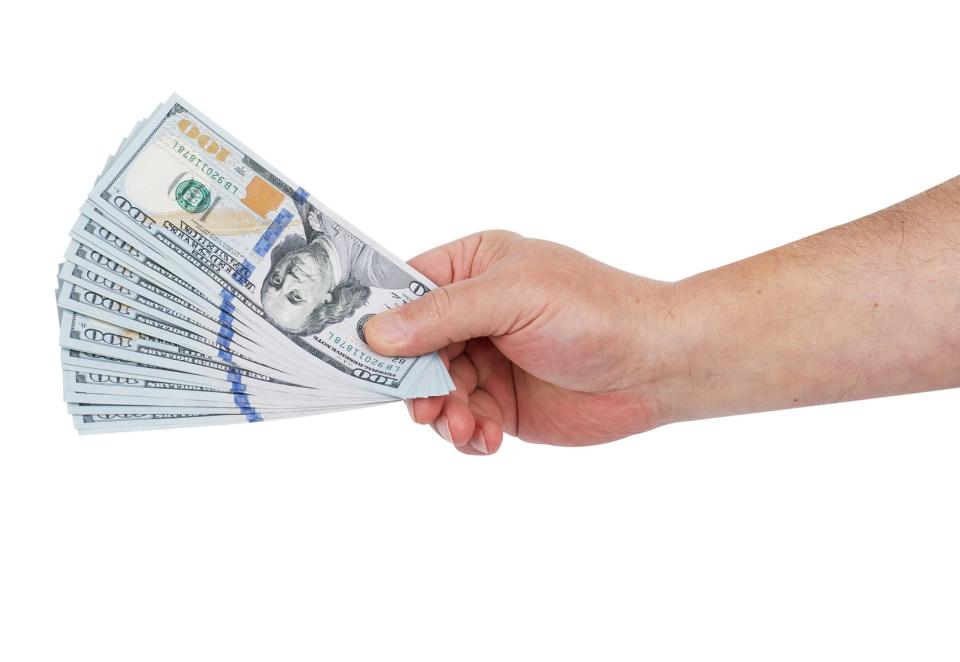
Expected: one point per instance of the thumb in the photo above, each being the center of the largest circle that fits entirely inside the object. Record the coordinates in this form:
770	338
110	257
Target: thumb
472	308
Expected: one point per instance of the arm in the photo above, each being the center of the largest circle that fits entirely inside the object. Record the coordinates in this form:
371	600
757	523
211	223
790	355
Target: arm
867	309
552	346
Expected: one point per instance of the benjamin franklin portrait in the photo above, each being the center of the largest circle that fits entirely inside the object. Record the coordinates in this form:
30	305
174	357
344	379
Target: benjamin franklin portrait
323	276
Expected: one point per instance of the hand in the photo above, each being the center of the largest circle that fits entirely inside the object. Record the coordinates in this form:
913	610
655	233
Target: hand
551	346
542	342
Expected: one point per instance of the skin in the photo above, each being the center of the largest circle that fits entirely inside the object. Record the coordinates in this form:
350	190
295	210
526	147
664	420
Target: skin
297	284
866	309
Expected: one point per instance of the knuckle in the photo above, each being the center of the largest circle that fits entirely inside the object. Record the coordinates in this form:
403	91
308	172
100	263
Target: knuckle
463	250
499	235
475	253
492	246
438	304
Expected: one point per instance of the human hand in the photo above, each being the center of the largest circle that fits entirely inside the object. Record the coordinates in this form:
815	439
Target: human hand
551	346
542	342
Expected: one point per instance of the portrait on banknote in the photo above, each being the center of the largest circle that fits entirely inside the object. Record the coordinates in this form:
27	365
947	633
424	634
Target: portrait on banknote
323	276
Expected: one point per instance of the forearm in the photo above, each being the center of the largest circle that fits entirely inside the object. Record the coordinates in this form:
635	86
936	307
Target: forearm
867	309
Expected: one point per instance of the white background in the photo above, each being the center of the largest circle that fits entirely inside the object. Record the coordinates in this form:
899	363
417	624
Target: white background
664	141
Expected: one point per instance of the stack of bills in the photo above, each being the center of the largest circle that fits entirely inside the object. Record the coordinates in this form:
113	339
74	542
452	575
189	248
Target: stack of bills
202	287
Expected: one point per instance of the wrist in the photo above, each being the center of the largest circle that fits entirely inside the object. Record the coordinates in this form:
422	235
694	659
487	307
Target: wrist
717	346
769	332
662	337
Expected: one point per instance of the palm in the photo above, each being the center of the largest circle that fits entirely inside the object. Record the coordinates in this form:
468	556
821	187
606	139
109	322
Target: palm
500	393
555	364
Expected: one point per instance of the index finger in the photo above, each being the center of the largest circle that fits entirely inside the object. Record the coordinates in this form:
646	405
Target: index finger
460	259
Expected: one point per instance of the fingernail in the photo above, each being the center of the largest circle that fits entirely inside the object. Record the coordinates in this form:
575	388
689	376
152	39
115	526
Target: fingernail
409	404
444	428
479	444
387	328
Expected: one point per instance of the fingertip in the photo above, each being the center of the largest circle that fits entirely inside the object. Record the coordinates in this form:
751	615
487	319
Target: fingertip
425	410
488	436
442	428
494	437
436	264
461	429
386	334
460	421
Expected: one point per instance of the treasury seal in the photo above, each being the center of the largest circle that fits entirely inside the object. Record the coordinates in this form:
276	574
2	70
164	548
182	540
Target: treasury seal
360	324
193	196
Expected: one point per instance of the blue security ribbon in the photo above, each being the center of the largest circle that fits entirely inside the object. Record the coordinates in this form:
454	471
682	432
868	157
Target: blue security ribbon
300	195
271	234
227	308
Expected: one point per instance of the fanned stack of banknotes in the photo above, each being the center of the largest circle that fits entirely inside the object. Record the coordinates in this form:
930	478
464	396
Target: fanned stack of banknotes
203	287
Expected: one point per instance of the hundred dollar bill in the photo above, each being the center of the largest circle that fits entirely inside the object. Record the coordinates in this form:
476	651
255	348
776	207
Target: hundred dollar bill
118	250
130	407
115	307
99	423
116	398
102	387
73	359
281	263
88	265
86	375
126	422
120	253
89	334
